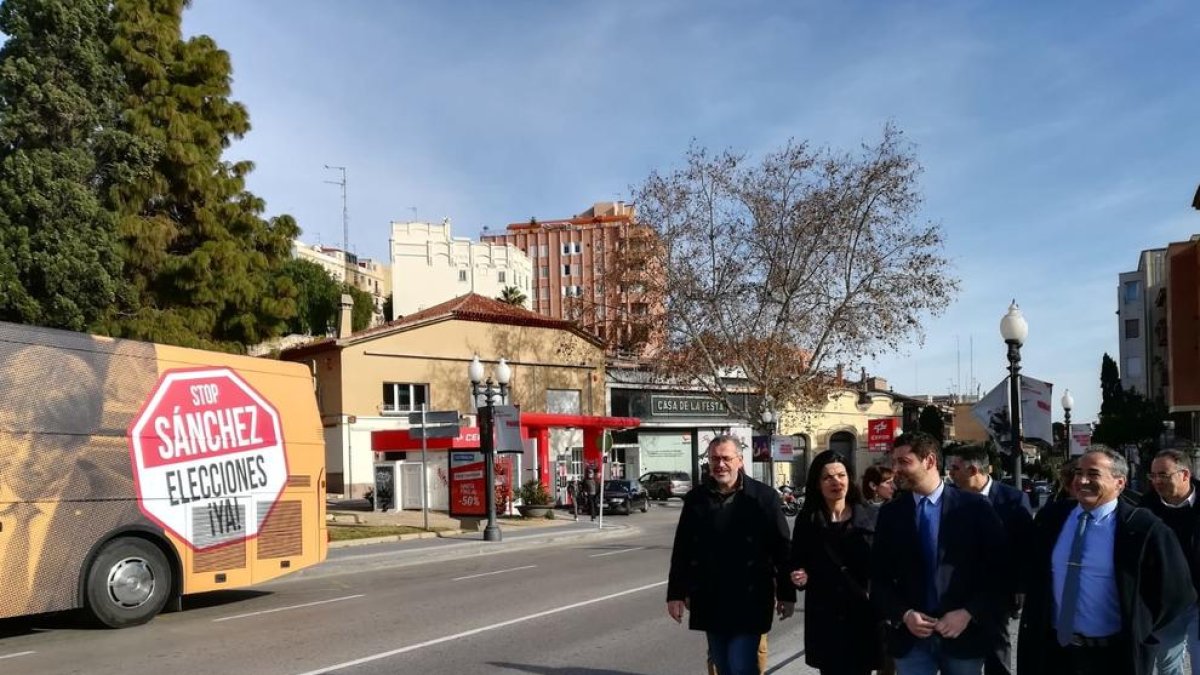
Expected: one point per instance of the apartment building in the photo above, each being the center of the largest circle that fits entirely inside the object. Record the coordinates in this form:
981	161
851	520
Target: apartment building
363	273
431	266
1141	324
1182	305
570	258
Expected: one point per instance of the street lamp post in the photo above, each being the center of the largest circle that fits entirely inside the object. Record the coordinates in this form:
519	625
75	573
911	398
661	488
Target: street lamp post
769	418
1014	330
490	394
1067	404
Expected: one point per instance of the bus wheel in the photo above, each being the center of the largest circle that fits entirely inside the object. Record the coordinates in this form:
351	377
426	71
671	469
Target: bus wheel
128	583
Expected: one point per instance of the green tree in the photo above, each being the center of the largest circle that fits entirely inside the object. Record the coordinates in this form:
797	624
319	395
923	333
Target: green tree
511	295
317	297
60	94
1126	417
387	308
932	422
206	267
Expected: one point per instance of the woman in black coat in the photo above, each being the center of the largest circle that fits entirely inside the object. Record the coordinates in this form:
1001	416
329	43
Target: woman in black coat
831	550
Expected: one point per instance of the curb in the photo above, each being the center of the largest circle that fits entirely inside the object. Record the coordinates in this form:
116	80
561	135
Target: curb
345	543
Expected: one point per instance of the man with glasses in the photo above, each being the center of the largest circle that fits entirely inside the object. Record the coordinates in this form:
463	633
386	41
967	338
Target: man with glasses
729	564
1173	499
1106	578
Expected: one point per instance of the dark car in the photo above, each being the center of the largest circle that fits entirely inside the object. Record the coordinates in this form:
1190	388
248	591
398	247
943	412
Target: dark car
666	484
624	496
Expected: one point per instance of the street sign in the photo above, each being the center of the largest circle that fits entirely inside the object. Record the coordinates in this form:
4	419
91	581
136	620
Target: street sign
434	417
208	457
441	431
433	424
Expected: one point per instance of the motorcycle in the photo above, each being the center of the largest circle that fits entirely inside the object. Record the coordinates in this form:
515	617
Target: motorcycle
789	501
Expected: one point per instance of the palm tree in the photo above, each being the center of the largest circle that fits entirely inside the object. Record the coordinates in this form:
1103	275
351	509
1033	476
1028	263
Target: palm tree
511	295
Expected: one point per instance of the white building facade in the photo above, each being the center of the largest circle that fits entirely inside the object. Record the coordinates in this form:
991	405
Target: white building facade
430	266
1140	319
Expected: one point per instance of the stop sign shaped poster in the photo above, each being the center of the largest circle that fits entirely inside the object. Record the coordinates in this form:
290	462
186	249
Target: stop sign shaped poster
208	457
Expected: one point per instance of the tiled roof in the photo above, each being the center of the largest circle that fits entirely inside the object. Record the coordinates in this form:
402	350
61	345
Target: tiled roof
470	307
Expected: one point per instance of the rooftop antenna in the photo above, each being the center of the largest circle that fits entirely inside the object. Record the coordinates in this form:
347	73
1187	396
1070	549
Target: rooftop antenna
345	220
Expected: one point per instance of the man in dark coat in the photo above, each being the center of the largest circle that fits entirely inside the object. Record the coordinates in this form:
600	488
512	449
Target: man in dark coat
1173	500
1105	577
729	564
934	567
969	468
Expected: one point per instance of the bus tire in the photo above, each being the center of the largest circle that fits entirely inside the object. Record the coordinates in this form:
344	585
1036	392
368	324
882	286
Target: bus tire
128	583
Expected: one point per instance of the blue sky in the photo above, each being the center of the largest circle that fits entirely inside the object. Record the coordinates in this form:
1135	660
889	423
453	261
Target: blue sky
1058	139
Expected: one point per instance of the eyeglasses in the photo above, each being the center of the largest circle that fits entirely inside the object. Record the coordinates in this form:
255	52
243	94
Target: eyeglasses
723	460
1164	476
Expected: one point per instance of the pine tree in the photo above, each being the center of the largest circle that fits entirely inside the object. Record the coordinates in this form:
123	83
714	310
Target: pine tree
205	265
60	94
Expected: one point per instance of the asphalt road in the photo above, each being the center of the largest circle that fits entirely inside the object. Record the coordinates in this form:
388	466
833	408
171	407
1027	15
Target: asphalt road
585	605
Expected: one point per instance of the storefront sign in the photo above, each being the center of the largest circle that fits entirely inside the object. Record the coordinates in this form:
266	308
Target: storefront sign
880	434
686	406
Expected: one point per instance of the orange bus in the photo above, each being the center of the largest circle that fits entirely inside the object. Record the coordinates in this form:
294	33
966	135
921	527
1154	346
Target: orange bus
133	473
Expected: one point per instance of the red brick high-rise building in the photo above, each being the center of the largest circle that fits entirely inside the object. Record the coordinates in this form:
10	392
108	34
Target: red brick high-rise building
572	262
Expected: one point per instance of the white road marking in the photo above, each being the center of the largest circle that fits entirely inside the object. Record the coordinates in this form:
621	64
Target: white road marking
13	656
488	574
484	629
281	609
624	550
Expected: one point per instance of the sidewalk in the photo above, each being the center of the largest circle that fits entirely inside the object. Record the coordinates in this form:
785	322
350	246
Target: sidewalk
441	524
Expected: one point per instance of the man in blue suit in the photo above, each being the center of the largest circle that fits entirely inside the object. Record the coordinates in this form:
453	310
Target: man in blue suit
969	468
935	566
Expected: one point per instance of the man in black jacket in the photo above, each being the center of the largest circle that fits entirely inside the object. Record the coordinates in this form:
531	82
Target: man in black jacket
935	565
969	469
729	564
1105	578
1173	500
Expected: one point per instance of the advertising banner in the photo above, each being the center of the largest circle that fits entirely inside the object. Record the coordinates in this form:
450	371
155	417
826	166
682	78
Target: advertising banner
506	420
468	491
783	448
468	488
992	411
880	434
1081	438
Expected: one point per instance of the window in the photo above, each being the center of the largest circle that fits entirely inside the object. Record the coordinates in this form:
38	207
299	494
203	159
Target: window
545	272
566	270
462	275
1132	291
500	276
572	291
545	292
571	248
1133	366
404	397
1132	330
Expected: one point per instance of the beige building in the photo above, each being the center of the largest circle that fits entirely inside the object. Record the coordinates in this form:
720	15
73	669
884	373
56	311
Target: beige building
841	424
430	266
370	380
364	273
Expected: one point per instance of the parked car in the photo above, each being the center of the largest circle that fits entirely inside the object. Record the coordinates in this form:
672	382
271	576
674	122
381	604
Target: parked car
666	484
624	496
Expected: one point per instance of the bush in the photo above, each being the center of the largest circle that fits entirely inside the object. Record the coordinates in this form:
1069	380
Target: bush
533	492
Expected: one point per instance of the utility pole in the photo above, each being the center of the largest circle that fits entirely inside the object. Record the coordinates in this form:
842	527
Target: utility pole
345	222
